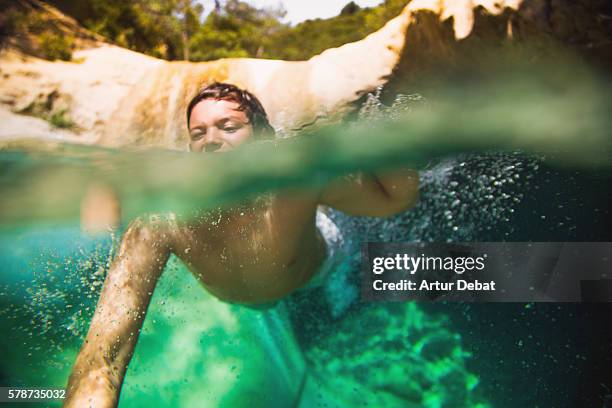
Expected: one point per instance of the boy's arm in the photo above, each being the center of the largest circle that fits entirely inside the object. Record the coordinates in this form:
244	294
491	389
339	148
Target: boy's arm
100	366
376	195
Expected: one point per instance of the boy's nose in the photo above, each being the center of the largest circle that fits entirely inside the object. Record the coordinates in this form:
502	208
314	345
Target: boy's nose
213	140
212	146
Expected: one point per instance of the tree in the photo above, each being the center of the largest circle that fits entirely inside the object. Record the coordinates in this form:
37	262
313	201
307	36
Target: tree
161	28
189	15
350	8
174	29
238	30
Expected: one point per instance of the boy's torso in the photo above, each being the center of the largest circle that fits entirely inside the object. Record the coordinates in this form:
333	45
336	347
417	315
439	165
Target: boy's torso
253	253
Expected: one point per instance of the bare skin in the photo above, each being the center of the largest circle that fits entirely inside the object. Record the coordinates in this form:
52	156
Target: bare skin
249	254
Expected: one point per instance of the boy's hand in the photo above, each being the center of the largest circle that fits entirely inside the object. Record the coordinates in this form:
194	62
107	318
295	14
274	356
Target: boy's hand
100	209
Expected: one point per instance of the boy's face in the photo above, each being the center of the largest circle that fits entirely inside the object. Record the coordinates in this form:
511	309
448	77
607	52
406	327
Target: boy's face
217	126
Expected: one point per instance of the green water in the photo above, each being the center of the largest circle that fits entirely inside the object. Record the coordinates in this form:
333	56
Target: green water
192	346
197	351
325	348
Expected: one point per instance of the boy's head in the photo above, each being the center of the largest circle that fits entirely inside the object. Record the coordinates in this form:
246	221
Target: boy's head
222	116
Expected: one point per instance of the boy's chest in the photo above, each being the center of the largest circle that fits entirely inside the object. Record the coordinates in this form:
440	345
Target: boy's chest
251	256
261	237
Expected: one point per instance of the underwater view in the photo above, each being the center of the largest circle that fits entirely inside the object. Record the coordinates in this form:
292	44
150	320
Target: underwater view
519	154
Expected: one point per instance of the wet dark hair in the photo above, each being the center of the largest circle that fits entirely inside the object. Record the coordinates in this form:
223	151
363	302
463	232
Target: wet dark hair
247	102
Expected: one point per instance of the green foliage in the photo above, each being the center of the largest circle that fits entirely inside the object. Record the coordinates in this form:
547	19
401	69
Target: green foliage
10	21
55	46
350	8
312	37
176	29
61	120
35	33
238	30
160	28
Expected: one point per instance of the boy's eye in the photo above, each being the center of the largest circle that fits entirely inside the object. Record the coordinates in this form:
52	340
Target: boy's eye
230	129
197	135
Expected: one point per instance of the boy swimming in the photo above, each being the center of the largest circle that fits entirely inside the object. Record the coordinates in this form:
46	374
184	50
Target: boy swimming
250	254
